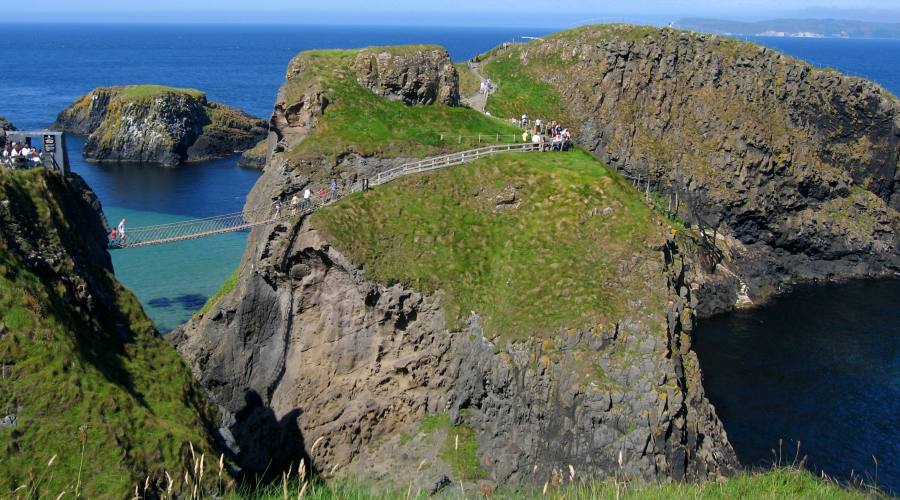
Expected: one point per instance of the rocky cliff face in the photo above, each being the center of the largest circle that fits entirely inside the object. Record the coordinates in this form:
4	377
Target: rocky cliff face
5	126
309	358
158	125
795	166
83	369
417	75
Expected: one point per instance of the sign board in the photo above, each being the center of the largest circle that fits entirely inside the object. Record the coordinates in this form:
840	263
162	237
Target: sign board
49	143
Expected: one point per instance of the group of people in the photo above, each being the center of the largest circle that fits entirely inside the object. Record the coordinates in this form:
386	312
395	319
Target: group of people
487	87
297	203
117	235
550	137
21	155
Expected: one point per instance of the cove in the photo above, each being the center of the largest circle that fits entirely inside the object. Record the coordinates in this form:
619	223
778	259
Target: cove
819	367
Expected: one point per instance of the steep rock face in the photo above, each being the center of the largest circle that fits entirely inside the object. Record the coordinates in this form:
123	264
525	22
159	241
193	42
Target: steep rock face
308	358
158	125
83	369
420	76
796	167
5	126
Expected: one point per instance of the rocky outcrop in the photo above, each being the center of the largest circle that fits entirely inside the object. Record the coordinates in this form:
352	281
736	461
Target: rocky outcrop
795	168
5	126
84	372
414	75
308	358
256	156
158	125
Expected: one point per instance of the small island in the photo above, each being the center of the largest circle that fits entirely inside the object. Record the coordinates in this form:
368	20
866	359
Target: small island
157	125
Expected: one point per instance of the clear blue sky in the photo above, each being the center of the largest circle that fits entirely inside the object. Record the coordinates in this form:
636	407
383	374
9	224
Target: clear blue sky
457	12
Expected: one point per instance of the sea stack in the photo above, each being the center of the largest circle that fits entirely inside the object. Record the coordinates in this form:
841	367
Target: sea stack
150	124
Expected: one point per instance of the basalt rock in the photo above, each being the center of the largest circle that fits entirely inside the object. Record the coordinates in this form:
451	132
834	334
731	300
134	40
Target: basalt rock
418	75
5	126
796	168
158	125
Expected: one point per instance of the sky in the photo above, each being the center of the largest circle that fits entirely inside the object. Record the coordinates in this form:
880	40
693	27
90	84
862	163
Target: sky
537	13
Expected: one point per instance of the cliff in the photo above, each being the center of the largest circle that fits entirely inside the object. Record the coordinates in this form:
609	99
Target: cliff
794	167
499	321
5	125
89	392
158	125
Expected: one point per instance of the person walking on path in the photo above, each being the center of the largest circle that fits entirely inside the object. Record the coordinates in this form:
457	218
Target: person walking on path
334	189
306	195
295	202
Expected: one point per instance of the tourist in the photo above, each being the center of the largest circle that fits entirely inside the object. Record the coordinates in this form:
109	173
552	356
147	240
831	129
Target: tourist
323	194
538	125
276	208
537	140
333	187
525	122
121	230
306	194
113	237
36	157
525	136
6	154
295	202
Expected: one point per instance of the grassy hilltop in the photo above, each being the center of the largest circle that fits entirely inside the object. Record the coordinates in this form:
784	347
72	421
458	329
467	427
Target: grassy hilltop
101	402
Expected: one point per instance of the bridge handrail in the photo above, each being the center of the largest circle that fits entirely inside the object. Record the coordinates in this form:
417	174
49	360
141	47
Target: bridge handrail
238	221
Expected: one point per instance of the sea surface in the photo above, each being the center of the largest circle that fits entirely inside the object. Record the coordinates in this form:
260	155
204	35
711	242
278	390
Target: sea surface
819	367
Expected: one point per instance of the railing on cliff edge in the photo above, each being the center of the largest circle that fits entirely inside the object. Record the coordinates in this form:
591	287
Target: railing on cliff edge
162	234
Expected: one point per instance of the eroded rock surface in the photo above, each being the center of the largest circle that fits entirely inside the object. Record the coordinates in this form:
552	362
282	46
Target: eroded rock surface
412	75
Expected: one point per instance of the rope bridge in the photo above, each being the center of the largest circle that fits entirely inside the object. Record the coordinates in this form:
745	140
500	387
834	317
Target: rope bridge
162	234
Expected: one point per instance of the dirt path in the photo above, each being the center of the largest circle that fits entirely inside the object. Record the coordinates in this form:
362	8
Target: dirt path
479	100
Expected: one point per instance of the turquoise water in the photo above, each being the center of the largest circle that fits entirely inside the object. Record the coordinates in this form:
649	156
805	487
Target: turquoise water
173	281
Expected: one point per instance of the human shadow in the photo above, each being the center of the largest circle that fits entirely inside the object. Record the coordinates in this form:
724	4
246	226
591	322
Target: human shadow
266	446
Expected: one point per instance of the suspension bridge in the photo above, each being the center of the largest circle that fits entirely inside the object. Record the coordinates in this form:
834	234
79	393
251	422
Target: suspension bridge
162	234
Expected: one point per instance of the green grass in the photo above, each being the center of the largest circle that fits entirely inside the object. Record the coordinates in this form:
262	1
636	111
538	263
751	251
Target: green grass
551	262
227	287
359	121
469	83
138	91
782	483
520	91
459	448
106	370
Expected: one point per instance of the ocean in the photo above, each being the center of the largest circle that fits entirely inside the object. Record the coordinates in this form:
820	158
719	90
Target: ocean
819	367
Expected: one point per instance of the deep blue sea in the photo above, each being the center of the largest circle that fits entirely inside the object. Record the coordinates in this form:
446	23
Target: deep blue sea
820	366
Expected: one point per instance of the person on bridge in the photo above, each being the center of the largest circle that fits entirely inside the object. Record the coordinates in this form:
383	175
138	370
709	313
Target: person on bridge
113	237
121	230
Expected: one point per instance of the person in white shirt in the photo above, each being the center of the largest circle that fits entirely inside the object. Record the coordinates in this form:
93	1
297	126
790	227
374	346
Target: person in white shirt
26	152
15	151
306	195
538	124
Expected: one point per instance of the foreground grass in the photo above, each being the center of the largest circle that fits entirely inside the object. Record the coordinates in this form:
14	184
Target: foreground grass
361	122
571	218
102	400
776	484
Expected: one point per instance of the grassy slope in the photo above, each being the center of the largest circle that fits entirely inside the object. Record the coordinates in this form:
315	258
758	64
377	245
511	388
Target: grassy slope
521	92
469	83
138	91
776	484
357	120
67	370
528	271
